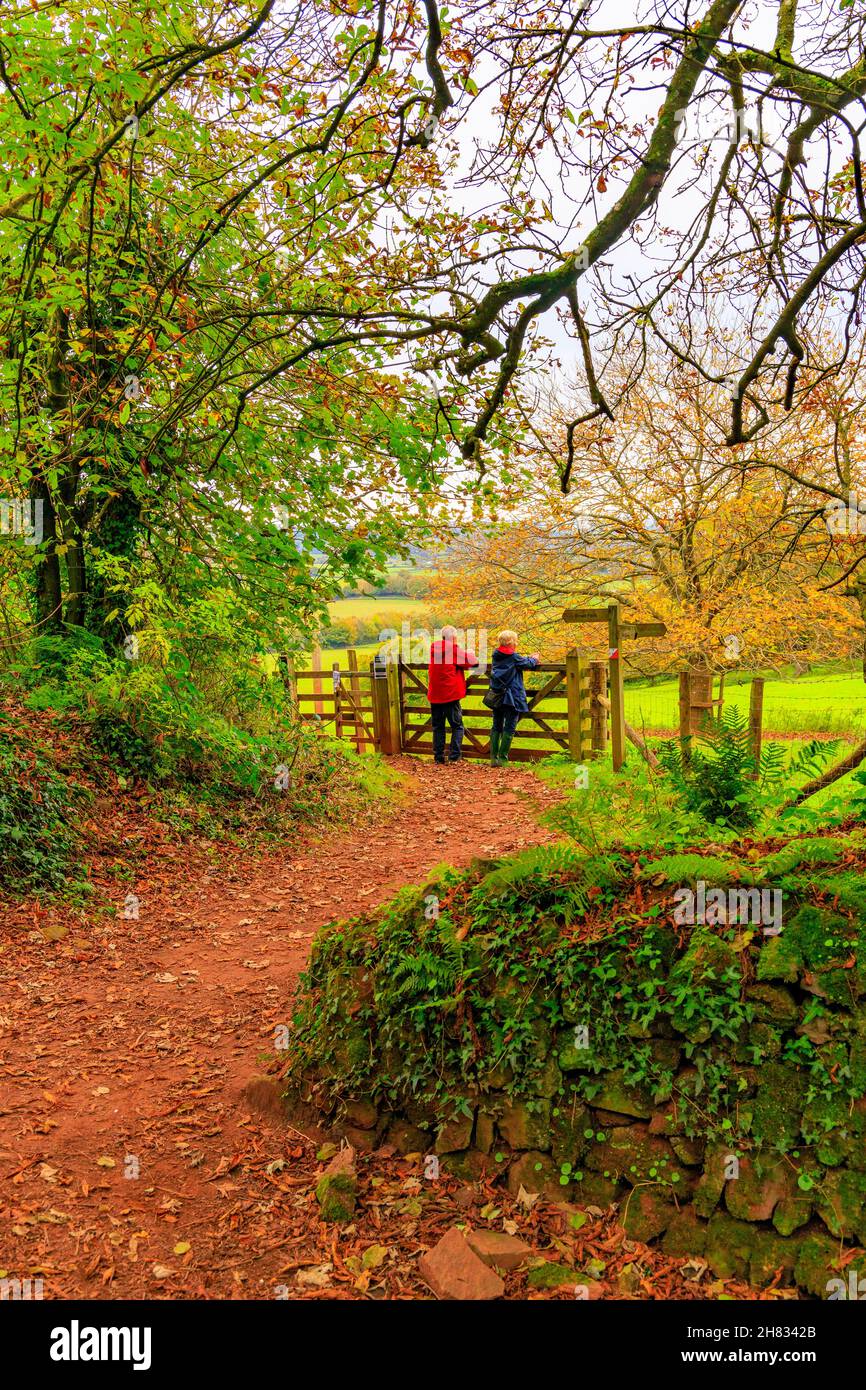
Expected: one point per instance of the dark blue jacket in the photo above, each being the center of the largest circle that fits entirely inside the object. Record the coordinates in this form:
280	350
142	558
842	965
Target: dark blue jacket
506	678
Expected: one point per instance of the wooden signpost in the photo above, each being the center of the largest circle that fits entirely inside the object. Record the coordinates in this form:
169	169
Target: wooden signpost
617	633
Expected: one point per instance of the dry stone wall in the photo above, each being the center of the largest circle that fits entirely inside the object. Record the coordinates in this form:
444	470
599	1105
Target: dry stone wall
578	1041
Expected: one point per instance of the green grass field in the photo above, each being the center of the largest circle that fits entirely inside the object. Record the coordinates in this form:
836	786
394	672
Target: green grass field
369	607
820	703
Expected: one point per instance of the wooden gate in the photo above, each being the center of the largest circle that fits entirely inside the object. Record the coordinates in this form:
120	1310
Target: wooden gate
385	708
342	701
559	718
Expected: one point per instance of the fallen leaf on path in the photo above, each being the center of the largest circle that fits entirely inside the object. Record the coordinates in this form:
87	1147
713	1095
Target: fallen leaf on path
318	1277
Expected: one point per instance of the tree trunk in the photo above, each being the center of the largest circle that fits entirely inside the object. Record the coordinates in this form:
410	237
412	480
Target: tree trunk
49	590
77	576
49	586
74	551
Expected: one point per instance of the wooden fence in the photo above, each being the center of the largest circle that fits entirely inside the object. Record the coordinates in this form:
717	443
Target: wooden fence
342	701
385	707
572	709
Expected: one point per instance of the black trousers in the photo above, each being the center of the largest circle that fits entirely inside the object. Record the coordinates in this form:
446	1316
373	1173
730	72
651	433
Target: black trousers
505	720
451	712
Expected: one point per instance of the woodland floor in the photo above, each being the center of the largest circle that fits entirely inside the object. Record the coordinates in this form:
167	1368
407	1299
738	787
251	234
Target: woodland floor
137	1038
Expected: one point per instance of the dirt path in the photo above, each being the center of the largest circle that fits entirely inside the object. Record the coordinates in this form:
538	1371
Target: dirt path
130	1164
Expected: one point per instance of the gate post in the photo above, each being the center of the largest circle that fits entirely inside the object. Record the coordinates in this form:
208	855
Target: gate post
384	684
395	707
685	717
318	707
700	698
338	710
598	713
379	701
576	694
355	692
756	716
617	694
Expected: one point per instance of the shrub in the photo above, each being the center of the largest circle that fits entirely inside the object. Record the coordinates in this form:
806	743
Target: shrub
36	838
119	741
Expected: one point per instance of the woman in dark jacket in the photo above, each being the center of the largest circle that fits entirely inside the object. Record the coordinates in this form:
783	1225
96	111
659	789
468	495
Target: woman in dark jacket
506	681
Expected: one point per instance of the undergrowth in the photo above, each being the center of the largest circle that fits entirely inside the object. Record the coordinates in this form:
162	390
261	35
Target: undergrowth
145	727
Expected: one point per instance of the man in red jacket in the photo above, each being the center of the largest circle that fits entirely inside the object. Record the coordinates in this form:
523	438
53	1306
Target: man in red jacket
446	686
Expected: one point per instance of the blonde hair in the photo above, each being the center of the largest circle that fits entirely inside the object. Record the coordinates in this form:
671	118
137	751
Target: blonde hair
508	638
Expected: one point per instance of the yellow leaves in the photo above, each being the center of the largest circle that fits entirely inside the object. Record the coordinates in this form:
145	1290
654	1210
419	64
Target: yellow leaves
54	931
373	1256
132	1248
182	1247
363	1265
105	1162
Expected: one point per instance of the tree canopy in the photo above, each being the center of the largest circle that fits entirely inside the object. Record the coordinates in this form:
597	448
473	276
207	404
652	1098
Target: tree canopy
268	269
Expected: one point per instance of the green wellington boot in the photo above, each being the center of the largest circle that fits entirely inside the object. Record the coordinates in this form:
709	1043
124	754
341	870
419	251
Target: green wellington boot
504	745
494	748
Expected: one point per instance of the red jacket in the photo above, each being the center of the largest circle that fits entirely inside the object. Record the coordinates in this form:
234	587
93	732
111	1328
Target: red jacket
446	681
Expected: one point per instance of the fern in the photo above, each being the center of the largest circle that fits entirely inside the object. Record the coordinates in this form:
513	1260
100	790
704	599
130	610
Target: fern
687	868
548	878
827	849
811	761
771	768
717	781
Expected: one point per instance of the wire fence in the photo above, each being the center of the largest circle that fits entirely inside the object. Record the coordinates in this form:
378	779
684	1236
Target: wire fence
834	706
